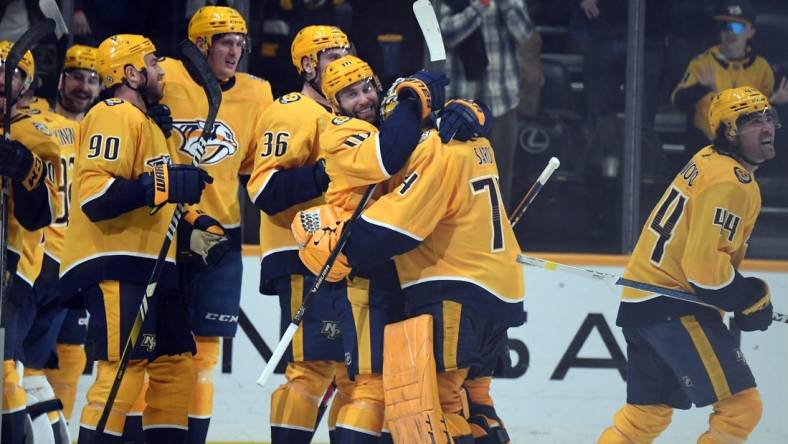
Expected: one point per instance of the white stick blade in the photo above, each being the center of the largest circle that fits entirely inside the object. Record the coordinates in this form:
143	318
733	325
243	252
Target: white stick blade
50	10
428	23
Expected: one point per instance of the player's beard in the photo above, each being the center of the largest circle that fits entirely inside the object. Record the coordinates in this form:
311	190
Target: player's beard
154	90
72	105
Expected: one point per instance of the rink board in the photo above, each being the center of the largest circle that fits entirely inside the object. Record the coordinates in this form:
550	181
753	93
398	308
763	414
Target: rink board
566	385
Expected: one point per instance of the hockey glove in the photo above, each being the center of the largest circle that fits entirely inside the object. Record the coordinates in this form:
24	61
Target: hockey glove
207	239
463	120
319	173
757	316
174	184
160	113
760	299
759	320
20	164
428	88
316	230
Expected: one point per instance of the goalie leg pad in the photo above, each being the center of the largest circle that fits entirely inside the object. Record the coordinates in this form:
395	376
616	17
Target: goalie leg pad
734	418
42	407
361	421
64	380
637	424
485	424
413	407
99	391
294	404
451	397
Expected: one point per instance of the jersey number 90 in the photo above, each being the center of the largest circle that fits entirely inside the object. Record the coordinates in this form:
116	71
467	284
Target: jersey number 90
106	148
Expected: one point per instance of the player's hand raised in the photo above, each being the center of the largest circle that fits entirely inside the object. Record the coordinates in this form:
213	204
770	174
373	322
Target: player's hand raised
463	120
427	87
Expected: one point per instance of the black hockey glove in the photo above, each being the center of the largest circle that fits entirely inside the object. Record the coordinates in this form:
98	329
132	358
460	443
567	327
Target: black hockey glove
463	120
20	164
174	184
207	239
160	113
759	320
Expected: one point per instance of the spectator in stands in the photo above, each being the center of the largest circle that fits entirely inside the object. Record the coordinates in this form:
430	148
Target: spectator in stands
731	63
481	38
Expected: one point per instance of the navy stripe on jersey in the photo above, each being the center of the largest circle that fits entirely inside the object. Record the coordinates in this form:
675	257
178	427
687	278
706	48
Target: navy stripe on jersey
286	188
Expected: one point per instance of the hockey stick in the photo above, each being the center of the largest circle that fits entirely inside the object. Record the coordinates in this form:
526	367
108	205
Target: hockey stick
618	280
428	23
287	337
529	197
200	71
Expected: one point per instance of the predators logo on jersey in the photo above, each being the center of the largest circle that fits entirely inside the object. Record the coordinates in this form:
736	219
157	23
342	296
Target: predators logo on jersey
222	145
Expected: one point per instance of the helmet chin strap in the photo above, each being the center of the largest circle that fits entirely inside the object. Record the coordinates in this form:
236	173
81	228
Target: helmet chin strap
748	160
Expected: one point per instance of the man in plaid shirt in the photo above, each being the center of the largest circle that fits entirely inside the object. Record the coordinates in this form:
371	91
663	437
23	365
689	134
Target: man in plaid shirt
481	38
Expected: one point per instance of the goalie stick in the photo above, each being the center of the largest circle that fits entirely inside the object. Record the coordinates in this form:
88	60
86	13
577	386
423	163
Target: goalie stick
200	71
618	280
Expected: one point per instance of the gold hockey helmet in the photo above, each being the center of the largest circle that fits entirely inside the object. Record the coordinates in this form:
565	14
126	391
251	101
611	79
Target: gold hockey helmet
730	105
311	40
115	52
211	20
80	57
344	72
27	64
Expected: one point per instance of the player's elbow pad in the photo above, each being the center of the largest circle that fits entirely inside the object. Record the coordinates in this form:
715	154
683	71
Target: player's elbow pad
286	188
31	208
370	245
741	293
399	135
122	196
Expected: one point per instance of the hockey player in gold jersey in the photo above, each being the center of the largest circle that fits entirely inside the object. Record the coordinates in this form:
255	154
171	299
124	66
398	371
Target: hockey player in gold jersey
33	204
78	89
45	315
680	354
357	154
113	240
442	221
211	273
286	179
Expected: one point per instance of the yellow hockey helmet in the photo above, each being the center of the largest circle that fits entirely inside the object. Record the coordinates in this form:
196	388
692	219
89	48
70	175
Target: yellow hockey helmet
211	20
729	105
27	64
344	72
311	40
80	57
115	52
